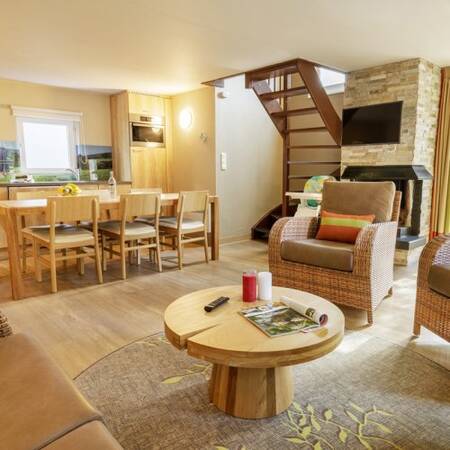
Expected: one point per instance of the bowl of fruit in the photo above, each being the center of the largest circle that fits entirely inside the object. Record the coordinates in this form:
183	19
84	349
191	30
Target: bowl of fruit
69	189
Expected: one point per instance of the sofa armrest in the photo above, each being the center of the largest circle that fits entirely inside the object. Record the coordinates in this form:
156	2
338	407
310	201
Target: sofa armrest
375	248
436	251
290	228
5	328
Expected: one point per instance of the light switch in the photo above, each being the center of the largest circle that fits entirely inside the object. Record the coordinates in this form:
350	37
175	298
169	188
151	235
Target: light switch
223	161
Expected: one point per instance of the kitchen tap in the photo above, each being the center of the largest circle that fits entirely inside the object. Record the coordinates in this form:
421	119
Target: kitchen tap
75	173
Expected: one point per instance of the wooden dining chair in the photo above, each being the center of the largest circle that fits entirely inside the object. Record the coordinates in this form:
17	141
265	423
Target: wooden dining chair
190	223
131	235
31	221
155	190
69	238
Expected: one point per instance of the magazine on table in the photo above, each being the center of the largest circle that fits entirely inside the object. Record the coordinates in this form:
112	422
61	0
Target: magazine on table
283	318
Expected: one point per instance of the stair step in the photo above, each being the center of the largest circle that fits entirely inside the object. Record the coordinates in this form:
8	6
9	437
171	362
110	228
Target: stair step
263	233
313	146
284	93
295	112
315	162
306	130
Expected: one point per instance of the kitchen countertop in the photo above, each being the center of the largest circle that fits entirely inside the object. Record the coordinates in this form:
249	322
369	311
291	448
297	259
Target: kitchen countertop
56	183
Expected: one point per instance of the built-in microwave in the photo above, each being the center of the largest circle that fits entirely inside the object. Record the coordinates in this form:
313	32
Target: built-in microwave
146	131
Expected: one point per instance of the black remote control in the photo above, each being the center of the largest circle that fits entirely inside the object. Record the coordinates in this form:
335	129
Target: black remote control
215	303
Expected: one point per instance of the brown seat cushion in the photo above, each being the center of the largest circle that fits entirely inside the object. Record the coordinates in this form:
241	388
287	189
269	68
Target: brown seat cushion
39	402
315	252
439	279
91	436
360	198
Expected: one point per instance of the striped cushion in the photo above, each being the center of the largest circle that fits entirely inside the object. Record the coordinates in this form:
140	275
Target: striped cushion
342	227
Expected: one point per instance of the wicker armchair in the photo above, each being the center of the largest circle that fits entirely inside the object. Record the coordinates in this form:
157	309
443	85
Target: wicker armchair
432	307
364	286
5	329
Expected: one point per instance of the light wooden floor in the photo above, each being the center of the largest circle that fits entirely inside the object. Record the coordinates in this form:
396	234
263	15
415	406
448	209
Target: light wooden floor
85	321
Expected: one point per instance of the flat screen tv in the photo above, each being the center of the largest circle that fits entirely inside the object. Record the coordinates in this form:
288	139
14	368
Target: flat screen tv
374	124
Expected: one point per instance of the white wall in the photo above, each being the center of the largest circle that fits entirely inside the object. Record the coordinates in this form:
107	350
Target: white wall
252	183
93	105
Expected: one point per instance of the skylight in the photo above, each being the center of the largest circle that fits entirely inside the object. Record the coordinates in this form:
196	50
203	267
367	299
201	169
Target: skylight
332	80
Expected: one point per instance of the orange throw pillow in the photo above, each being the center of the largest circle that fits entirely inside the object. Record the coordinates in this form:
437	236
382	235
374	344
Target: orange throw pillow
342	227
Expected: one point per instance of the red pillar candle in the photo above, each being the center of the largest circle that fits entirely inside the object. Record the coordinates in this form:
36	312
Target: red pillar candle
249	286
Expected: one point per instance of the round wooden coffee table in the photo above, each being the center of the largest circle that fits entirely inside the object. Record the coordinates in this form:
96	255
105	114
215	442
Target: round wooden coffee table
252	374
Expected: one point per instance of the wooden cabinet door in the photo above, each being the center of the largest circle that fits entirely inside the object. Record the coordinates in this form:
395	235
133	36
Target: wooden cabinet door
147	105
149	168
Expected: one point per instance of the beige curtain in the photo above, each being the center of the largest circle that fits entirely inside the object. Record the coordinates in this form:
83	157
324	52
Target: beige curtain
440	211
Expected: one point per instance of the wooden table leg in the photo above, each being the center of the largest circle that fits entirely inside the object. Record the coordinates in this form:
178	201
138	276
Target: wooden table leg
251	393
215	229
9	223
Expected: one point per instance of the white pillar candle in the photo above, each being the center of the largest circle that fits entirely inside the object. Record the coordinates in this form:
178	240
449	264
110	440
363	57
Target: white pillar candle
265	286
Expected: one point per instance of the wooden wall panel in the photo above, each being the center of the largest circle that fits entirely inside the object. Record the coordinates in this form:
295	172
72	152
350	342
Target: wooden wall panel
120	137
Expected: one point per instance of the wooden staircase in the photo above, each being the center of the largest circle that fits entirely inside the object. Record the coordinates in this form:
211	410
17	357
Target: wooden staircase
280	87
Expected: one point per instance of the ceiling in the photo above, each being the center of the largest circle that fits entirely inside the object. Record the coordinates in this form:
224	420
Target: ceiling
171	46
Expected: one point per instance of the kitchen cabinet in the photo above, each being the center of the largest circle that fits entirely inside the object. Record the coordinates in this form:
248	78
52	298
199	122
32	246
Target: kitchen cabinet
146	105
144	167
120	137
12	194
149	168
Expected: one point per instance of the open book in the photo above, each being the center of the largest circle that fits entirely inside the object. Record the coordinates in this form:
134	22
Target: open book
281	319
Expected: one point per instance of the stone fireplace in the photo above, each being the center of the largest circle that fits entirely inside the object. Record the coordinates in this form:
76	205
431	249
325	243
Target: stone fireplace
409	181
416	83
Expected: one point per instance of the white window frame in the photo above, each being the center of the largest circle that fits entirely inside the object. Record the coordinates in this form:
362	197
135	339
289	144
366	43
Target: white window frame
71	120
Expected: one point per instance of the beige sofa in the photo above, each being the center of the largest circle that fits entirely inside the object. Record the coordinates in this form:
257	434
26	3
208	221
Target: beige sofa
40	406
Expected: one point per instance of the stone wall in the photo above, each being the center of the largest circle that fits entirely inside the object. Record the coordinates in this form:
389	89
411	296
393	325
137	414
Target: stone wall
417	83
426	128
384	84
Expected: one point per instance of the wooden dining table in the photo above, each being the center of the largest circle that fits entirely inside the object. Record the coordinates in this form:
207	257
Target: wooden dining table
12	210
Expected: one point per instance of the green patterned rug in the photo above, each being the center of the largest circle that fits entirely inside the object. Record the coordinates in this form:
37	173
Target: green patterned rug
367	394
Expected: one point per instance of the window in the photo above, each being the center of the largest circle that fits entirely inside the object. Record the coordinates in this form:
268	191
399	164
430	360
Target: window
331	80
48	139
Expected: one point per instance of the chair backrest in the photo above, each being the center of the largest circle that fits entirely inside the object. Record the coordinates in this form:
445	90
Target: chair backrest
139	204
72	209
360	198
146	190
35	194
192	202
396	206
102	194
